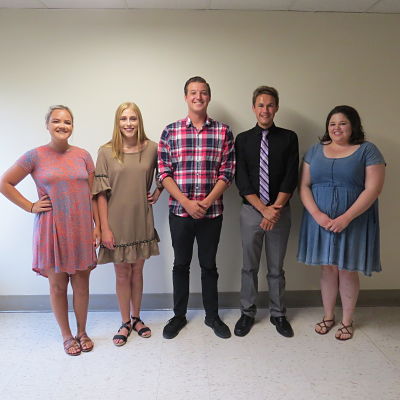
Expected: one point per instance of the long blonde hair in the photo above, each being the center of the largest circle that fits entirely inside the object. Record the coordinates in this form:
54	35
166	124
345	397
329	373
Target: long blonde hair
116	142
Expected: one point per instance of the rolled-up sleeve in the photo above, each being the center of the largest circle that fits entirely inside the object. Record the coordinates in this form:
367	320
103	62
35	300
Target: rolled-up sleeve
227	167
164	157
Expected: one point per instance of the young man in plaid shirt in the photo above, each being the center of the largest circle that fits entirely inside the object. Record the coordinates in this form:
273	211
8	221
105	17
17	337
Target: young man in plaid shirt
196	164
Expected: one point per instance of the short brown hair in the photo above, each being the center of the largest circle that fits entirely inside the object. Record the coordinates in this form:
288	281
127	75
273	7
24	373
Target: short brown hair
266	90
196	79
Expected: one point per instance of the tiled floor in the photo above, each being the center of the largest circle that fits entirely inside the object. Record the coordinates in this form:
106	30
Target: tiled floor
198	365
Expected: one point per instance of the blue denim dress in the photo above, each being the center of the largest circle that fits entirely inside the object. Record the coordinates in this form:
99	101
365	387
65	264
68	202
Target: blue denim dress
336	184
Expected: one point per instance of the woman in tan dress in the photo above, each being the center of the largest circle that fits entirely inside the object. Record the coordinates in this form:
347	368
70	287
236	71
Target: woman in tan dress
124	174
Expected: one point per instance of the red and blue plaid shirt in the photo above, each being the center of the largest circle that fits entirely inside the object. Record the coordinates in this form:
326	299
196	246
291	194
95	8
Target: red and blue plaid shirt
196	160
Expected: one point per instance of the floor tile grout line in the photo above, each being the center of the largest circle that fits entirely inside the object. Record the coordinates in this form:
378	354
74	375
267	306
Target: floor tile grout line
159	369
207	369
381	351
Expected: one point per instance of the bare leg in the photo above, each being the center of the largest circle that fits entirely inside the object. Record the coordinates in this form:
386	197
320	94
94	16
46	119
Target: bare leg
329	282
80	287
123	276
59	303
137	287
349	287
137	292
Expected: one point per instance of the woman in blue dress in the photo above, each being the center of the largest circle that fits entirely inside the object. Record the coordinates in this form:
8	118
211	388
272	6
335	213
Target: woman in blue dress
342	177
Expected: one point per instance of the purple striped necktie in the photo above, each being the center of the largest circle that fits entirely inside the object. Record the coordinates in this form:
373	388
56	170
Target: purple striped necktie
264	169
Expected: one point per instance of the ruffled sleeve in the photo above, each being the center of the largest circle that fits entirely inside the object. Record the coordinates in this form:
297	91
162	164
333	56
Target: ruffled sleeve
101	178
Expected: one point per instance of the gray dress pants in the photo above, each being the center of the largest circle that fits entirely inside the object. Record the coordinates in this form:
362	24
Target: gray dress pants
275	249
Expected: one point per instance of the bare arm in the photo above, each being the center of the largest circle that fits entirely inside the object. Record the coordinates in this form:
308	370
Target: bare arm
107	237
272	213
95	214
153	197
374	179
282	199
191	206
269	213
307	198
9	180
216	192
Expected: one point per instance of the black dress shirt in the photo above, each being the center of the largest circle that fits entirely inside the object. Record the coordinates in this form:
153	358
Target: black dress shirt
283	161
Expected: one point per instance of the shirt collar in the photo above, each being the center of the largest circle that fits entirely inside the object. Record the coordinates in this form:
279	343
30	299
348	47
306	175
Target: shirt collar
189	122
260	130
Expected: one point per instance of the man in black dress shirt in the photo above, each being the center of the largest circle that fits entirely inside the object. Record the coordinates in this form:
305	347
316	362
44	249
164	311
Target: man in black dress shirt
265	215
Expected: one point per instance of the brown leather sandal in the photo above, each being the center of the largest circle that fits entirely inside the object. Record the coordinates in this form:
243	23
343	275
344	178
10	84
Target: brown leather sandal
344	330
325	328
72	343
85	342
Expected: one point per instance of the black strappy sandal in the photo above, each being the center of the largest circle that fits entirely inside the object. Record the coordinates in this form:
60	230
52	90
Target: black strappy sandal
127	325
140	332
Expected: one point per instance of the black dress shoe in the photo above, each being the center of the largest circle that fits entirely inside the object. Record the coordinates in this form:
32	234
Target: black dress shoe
282	326
243	326
219	327
174	326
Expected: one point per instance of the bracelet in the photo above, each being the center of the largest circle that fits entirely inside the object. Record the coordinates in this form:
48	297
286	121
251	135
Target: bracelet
32	207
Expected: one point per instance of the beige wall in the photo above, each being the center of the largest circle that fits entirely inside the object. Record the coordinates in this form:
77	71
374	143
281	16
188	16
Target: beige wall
94	60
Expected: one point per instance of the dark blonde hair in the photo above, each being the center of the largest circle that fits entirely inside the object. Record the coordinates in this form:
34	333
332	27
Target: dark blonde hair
58	107
116	142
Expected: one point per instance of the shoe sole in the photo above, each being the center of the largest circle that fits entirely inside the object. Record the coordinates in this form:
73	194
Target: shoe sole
241	334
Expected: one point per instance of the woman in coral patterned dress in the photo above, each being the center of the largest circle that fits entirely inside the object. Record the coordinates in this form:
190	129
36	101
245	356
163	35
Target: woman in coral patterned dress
64	237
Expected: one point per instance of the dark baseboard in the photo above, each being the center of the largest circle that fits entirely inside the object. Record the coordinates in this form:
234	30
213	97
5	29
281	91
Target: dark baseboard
163	301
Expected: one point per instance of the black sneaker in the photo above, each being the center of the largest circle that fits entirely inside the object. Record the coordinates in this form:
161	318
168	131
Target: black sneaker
219	327
173	327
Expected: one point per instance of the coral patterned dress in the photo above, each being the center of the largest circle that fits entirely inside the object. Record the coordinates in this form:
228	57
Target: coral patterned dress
62	237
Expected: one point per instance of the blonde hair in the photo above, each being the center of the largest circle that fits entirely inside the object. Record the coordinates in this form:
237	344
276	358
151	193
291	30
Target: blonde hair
58	107
116	143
